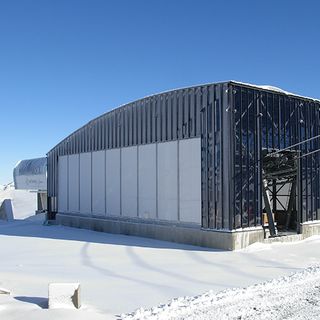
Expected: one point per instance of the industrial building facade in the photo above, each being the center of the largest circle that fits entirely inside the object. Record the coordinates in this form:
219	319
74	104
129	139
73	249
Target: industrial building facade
188	166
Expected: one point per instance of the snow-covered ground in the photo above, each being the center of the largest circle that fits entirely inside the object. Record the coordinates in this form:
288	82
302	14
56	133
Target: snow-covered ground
119	274
291	297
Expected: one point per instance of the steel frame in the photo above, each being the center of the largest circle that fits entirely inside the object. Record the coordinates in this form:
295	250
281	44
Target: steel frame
267	119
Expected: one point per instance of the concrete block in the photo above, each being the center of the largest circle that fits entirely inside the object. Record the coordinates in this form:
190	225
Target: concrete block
309	229
64	296
245	237
6	212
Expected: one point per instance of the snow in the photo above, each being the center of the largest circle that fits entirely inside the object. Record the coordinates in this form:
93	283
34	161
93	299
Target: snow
290	297
273	88
119	274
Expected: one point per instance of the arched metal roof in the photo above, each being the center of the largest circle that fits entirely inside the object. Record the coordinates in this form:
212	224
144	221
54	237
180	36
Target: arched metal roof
93	122
31	174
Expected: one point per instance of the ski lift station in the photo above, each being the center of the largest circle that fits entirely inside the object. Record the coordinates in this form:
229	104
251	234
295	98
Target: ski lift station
220	165
31	175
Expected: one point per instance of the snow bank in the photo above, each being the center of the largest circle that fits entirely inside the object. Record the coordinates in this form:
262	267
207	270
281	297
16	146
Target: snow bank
24	203
296	296
119	273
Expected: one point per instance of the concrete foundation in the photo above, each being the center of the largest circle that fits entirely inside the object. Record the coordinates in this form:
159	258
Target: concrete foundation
309	229
180	233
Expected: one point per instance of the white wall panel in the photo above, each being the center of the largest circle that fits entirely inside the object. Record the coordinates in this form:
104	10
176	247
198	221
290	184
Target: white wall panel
98	183
85	183
113	181
168	181
63	184
129	181
73	184
147	177
190	180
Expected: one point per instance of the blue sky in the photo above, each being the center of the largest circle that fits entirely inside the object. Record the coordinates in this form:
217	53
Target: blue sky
64	62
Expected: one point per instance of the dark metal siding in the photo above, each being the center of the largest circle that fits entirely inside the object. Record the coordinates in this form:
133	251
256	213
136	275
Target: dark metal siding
267	119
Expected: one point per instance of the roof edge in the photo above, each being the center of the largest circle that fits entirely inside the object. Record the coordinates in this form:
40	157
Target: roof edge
268	88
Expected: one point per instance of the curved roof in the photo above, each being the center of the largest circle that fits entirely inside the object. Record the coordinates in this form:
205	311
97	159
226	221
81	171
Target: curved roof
30	174
266	88
31	167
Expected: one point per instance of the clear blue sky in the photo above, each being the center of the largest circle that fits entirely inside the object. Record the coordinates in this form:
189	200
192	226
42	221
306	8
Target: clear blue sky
64	62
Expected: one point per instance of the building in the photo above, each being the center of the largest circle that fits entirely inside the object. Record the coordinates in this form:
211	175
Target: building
207	165
31	174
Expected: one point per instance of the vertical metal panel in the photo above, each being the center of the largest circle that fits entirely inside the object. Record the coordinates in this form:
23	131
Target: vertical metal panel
192	113
122	127
71	145
114	129
78	142
75	141
84	137
198	107
190	180
147	181
63	184
139	124
135	124
227	156
109	125
130	133
168	181
218	157
85	183
73	183
126	126
174	115
100	134
143	123
90	133
113	182
119	126
98	183
83	142
211	164
148	121
96	137
164	112
103	133
158	118
129	177
87	136
180	114
204	165
169	117
154	120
